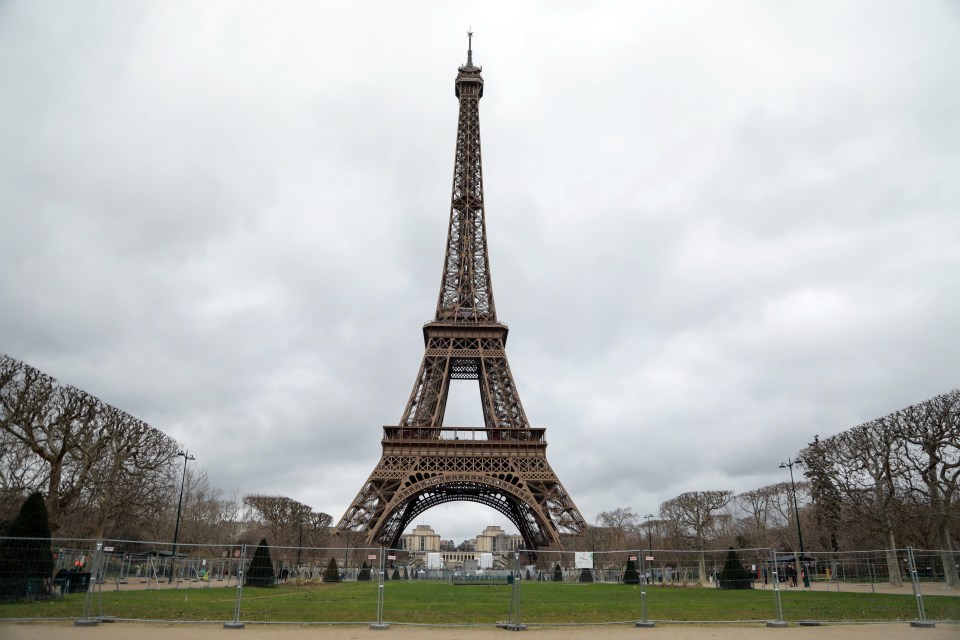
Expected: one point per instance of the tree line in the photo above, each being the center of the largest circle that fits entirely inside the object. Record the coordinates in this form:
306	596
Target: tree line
886	484
106	474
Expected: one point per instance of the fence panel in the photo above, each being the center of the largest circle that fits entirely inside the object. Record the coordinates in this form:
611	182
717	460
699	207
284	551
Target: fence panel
313	585
36	573
90	580
146	581
463	589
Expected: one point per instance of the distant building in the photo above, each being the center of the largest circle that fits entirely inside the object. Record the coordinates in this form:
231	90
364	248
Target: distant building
423	538
496	540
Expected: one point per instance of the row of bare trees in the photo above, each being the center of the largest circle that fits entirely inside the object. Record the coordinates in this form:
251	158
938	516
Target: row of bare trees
86	456
893	477
891	482
108	474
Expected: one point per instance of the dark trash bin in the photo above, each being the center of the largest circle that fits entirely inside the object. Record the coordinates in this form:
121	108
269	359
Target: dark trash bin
72	581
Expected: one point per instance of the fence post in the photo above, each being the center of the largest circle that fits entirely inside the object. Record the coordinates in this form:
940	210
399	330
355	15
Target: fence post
922	622
87	621
644	623
779	622
235	623
643	593
380	624
515	623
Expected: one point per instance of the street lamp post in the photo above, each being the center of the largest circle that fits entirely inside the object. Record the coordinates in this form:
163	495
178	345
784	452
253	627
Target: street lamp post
649	535
796	514
176	532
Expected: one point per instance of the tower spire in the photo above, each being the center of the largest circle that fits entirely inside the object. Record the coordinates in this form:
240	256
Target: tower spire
466	292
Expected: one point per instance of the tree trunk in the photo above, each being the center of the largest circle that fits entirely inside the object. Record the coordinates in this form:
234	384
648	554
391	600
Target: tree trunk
893	567
947	557
53	496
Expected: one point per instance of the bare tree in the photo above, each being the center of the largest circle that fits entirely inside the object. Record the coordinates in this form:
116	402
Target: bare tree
284	517
208	516
620	528
865	465
93	460
55	423
131	464
756	508
931	430
695	514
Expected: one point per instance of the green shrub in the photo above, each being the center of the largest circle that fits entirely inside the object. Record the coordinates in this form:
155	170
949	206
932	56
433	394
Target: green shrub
733	575
332	574
26	566
364	574
630	574
260	572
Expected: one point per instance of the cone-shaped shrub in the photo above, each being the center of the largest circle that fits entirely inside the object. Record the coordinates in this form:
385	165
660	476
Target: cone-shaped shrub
557	573
630	574
26	566
260	572
586	575
332	574
364	573
733	575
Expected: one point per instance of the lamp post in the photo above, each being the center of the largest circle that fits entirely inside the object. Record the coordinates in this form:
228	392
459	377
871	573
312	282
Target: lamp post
649	535
649	542
176	532
796	514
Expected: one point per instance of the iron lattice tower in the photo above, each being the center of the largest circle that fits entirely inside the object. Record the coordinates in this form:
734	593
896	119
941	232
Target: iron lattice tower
503	464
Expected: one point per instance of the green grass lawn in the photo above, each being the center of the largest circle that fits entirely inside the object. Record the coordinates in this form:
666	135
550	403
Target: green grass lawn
444	603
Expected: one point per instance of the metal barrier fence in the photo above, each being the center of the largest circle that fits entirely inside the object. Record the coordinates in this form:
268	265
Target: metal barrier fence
91	581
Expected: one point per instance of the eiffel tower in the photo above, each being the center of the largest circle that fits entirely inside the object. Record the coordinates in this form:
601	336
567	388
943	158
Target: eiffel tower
503	464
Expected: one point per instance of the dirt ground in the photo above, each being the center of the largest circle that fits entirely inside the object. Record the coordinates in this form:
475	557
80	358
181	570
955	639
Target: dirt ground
146	631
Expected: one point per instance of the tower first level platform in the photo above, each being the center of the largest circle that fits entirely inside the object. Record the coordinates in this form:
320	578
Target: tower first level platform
506	470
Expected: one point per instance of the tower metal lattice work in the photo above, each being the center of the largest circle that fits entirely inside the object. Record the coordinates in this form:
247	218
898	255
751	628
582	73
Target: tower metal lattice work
503	464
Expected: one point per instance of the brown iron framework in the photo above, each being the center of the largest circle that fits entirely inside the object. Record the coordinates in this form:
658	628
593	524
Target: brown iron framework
502	465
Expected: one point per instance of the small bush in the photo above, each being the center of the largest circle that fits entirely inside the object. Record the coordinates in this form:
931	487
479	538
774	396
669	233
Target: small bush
260	572
26	566
630	574
733	575
332	574
364	575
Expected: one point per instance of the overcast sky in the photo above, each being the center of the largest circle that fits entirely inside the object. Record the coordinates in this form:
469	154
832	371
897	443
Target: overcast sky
716	229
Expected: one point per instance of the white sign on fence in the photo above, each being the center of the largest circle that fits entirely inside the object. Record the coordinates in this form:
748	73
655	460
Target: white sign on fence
583	559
